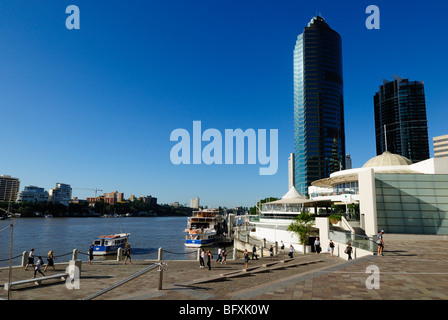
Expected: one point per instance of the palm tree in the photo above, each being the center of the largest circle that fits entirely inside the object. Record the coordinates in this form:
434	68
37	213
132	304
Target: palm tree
302	227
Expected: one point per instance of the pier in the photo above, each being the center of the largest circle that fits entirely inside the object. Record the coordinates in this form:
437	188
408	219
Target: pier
409	269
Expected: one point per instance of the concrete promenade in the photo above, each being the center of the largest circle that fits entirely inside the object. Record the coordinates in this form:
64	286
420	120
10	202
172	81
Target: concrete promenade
408	270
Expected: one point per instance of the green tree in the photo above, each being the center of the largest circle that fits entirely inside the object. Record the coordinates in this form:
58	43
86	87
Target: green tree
302	226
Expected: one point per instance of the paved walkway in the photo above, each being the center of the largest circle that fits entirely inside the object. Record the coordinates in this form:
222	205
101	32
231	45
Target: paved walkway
408	270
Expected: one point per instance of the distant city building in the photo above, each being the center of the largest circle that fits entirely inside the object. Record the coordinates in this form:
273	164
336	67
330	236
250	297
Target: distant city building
33	194
113	197
62	194
319	134
291	171
175	204
149	199
440	146
194	203
9	188
93	200
348	162
401	126
79	201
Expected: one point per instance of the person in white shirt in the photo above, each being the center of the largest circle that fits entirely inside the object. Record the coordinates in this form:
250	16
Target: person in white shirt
30	259
38	267
201	259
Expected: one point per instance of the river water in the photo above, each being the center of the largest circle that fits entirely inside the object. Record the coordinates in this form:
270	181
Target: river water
62	235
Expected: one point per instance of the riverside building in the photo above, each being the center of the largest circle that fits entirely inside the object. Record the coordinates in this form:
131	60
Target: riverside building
62	194
394	194
319	134
9	188
33	194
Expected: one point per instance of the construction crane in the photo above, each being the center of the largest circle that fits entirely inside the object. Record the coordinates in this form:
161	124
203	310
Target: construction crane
96	190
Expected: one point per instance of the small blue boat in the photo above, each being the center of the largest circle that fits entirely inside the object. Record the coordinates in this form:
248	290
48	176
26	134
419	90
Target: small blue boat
109	244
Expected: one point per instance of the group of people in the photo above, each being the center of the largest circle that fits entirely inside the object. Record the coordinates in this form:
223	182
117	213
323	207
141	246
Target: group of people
37	267
222	256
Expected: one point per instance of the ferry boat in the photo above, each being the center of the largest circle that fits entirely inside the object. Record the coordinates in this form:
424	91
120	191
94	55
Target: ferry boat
109	244
203	228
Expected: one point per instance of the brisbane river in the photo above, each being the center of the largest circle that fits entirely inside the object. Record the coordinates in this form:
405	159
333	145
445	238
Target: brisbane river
62	235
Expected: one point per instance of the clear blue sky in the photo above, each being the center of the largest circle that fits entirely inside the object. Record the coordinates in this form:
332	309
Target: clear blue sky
95	107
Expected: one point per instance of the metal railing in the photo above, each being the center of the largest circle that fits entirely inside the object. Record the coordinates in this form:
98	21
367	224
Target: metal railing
356	240
162	266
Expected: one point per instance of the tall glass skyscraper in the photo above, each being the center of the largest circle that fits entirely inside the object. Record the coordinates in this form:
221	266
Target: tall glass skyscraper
401	126
319	135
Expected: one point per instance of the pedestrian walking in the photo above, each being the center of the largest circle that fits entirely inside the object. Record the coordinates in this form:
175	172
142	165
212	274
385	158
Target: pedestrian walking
380	242
291	251
224	255
282	247
317	246
271	252
331	247
209	260
254	252
219	259
349	251
91	254
246	258
50	260
127	253
201	259
38	267
30	259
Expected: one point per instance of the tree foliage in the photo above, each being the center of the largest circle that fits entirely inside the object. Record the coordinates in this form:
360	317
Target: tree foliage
302	226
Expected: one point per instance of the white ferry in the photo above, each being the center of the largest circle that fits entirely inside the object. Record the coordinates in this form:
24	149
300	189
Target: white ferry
109	244
203	228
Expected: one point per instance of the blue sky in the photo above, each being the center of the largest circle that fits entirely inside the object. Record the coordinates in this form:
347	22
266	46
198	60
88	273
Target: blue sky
95	107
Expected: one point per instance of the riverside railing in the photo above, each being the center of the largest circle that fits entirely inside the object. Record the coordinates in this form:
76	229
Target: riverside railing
356	240
161	267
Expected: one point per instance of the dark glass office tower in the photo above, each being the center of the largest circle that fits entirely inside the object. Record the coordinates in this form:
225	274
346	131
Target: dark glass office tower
319	134
400	112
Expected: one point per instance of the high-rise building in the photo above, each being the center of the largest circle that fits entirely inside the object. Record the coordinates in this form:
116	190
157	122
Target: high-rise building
440	146
348	161
194	203
62	194
9	188
291	173
33	194
319	134
401	126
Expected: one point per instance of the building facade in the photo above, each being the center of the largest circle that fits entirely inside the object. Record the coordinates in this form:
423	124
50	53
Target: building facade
440	146
319	134
113	197
62	194
194	203
400	119
33	194
394	195
291	171
9	188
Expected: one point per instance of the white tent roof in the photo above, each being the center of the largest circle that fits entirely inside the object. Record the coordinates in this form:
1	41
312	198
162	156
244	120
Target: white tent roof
292	196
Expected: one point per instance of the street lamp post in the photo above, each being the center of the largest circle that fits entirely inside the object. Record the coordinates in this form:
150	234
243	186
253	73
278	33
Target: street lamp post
10	250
